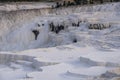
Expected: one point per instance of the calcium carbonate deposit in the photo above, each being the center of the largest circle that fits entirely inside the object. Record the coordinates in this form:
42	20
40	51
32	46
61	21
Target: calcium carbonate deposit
72	43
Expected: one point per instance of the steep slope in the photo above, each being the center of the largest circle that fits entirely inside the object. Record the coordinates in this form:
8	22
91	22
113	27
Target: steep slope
17	30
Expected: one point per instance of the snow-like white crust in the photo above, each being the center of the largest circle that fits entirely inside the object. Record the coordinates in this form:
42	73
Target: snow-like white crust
88	51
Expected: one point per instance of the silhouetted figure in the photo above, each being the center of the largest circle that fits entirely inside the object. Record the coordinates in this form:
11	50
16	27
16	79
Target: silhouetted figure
77	2
36	33
60	5
38	25
57	31
78	24
72	3
51	26
61	27
90	26
64	3
52	6
91	2
57	5
101	1
99	26
72	24
74	40
95	26
103	26
68	4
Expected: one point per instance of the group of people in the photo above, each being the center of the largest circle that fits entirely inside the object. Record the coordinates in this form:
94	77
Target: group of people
57	28
78	2
76	24
72	3
64	4
98	26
